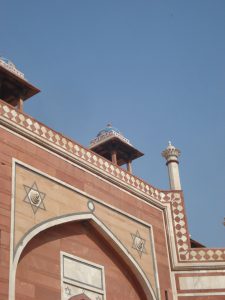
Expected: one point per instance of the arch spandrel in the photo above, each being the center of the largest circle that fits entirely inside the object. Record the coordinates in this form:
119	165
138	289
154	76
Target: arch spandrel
58	203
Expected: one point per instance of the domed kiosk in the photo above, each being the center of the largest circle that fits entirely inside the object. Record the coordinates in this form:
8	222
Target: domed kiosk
14	88
111	144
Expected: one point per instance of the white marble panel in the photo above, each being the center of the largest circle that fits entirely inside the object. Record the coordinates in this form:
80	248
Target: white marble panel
82	272
202	282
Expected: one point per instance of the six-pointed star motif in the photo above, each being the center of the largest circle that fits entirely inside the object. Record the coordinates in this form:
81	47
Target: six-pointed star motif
34	197
138	243
68	291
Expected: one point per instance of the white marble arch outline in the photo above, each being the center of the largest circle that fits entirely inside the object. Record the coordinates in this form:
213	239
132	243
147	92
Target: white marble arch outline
115	243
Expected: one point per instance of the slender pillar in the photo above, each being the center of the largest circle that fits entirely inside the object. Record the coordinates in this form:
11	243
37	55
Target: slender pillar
114	158
129	167
20	105
171	155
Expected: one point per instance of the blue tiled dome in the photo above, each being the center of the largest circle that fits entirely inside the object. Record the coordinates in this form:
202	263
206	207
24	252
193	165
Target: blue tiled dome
109	132
108	128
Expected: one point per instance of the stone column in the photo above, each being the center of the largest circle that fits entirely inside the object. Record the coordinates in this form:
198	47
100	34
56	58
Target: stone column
129	167
114	157
171	155
20	105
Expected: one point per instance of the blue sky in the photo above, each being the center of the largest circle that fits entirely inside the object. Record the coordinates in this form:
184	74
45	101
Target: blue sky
155	69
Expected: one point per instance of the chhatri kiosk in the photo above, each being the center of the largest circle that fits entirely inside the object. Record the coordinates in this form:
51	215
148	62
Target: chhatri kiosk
76	224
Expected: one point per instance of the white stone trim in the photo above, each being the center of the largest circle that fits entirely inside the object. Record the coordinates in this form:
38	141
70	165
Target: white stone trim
172	251
108	179
210	282
56	142
170	255
200	294
199	272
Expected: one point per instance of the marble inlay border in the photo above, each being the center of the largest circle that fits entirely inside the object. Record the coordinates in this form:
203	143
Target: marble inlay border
45	136
79	152
184	251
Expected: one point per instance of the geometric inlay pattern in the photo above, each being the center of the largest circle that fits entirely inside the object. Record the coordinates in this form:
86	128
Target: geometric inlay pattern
185	253
34	197
138	243
76	151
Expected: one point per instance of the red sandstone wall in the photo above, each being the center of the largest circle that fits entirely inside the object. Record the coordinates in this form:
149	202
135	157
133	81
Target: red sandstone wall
5	209
12	146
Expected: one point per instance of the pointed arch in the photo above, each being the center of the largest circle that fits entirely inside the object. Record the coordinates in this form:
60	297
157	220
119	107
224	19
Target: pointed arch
102	229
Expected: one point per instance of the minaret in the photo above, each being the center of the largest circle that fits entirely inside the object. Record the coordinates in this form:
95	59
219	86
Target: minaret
171	155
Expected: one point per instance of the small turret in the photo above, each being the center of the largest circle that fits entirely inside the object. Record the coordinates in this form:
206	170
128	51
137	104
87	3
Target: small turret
111	144
14	88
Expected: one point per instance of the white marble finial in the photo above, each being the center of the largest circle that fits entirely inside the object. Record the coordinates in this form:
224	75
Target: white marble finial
171	153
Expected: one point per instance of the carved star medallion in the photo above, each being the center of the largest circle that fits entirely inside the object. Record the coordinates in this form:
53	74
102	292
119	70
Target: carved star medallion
68	291
34	197
138	243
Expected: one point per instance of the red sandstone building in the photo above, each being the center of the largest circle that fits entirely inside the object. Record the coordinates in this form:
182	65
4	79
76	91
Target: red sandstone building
74	224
